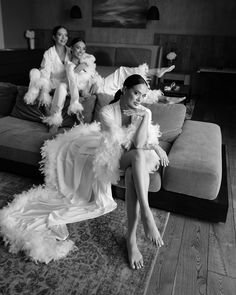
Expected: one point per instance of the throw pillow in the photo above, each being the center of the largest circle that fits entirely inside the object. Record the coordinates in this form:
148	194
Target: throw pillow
34	113
8	93
25	111
170	117
89	106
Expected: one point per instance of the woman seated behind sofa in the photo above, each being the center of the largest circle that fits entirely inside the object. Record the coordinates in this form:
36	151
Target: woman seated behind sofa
79	167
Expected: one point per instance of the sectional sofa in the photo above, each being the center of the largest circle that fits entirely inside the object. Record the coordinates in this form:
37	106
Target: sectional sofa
192	184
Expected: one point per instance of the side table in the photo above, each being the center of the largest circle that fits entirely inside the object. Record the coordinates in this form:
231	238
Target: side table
182	91
182	81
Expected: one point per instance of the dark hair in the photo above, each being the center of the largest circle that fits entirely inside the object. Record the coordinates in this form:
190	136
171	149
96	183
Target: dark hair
129	82
56	29
76	40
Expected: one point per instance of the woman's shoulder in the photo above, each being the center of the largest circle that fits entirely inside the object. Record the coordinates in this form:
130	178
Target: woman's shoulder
109	108
145	108
50	51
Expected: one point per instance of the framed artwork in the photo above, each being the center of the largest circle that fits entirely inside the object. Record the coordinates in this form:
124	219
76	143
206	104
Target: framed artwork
119	13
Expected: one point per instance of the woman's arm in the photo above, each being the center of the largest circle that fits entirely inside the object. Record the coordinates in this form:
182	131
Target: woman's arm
141	133
46	65
162	155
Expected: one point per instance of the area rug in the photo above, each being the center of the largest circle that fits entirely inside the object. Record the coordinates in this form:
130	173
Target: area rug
98	266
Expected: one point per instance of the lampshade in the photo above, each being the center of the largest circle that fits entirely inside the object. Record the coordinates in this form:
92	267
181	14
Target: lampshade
75	12
153	13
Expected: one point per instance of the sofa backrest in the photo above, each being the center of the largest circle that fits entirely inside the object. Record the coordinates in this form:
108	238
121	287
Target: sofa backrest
8	93
129	55
170	117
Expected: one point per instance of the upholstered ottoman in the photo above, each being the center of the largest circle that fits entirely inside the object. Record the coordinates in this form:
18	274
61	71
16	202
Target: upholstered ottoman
195	167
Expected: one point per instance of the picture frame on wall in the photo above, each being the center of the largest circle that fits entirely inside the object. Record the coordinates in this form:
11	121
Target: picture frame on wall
119	14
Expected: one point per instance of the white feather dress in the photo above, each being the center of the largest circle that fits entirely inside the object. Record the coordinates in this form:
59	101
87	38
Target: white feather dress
79	167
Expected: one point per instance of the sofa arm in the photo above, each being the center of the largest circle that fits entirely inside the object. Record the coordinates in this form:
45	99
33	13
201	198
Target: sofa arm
195	166
8	93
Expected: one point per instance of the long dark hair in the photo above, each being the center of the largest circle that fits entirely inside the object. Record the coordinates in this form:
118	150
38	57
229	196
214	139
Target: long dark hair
56	29
129	82
76	40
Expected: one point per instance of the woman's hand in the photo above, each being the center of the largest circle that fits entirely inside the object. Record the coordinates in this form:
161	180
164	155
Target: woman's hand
93	89
135	112
81	67
162	155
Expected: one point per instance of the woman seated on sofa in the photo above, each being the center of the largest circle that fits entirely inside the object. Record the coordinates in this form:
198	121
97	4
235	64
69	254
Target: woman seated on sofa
52	71
79	167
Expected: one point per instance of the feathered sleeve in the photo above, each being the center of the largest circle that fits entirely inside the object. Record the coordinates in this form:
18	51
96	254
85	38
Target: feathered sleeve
107	157
153	131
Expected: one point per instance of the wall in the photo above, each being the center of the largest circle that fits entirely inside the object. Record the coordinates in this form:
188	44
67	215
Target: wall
1	29
16	19
201	17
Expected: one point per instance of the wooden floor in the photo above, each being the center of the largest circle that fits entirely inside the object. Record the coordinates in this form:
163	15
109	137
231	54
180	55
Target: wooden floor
200	257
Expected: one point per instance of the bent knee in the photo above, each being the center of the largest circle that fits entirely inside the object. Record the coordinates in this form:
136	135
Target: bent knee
34	74
62	87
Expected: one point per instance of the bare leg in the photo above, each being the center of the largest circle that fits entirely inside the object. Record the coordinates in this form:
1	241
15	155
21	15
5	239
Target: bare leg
54	120
132	208
159	72
136	159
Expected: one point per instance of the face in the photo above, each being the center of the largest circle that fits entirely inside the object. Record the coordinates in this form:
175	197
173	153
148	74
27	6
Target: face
61	37
78	49
135	95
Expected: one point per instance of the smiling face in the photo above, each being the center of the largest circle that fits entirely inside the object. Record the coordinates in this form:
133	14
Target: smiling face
61	37
135	95
78	49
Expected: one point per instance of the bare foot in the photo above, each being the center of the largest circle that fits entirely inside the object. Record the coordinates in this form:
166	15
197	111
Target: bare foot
162	71
135	257
150	228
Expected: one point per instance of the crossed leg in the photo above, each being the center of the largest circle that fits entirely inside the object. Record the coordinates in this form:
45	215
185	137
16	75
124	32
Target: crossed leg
137	184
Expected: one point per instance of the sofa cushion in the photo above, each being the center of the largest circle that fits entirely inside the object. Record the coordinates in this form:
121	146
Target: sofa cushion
104	55
25	111
170	117
8	93
104	71
21	140
195	167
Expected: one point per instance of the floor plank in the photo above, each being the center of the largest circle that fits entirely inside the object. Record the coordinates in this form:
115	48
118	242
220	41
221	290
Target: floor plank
220	285
222	241
191	275
163	274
